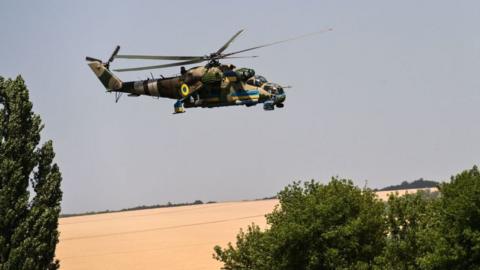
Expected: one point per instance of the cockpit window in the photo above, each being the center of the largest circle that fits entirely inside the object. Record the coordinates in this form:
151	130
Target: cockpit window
257	80
273	88
261	79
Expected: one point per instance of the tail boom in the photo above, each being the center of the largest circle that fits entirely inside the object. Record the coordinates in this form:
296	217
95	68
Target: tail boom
106	77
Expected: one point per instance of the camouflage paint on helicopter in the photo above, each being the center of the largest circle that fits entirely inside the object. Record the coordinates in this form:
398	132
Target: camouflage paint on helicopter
212	85
217	88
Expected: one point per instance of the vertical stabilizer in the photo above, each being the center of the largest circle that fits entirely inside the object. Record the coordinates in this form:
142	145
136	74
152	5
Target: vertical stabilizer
106	77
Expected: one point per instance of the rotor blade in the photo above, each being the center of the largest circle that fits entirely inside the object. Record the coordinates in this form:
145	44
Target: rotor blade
224	47
113	54
91	59
278	42
235	57
158	57
161	66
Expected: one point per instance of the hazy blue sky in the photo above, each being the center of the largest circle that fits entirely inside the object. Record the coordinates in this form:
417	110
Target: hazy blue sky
392	94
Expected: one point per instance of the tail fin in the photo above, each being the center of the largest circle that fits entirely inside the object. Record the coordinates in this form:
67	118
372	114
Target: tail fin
108	79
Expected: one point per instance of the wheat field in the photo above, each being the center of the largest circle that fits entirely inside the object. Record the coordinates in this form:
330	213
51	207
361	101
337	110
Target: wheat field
163	238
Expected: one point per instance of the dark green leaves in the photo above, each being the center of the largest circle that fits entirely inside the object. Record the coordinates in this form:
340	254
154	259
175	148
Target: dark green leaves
339	226
28	222
316	226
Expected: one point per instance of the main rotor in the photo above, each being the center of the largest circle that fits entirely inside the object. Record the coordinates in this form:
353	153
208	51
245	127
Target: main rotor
212	59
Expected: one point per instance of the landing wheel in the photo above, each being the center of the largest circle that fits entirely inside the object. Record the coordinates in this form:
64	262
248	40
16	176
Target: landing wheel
178	107
268	106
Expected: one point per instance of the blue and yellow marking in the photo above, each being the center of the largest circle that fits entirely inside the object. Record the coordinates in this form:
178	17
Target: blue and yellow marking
185	90
245	93
237	95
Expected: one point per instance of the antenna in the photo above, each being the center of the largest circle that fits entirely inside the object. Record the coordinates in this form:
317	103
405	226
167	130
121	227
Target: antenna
118	95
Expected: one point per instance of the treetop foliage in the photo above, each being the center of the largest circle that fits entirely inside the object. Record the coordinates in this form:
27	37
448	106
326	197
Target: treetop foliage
315	226
340	226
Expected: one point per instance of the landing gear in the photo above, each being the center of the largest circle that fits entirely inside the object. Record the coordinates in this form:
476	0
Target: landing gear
178	107
268	105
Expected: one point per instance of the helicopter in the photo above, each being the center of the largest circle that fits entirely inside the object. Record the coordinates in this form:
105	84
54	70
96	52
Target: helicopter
211	85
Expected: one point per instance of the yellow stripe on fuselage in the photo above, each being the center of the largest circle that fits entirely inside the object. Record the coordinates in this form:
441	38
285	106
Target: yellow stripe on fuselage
244	97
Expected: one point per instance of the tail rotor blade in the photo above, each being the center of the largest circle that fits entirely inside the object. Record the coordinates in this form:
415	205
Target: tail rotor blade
113	54
91	59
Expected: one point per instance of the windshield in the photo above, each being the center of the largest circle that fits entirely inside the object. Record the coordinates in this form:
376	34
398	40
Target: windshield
273	88
257	80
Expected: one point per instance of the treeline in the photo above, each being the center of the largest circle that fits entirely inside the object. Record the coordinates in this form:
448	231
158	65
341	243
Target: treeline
404	185
340	226
141	207
420	183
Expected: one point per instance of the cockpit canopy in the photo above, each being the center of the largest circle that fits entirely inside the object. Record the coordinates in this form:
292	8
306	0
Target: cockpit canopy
244	73
273	88
257	80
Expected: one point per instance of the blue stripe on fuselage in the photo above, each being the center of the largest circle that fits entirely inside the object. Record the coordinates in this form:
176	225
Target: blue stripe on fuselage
245	93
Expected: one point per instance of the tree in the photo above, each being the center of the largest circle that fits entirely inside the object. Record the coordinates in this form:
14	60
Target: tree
455	233
315	226
28	222
408	219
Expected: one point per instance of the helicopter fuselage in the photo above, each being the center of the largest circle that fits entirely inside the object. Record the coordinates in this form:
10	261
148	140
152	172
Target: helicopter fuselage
200	87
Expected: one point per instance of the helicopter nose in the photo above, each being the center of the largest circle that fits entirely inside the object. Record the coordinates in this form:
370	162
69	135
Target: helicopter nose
279	98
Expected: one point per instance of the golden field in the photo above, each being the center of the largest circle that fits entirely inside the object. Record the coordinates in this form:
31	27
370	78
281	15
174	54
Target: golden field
163	238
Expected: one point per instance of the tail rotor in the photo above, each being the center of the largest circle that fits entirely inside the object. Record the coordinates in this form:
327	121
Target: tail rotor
110	60
102	71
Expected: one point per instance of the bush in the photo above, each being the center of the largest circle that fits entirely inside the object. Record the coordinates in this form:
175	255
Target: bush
339	226
316	226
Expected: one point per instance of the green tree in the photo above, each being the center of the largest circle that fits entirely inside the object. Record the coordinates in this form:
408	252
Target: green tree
315	226
28	222
408	219
455	229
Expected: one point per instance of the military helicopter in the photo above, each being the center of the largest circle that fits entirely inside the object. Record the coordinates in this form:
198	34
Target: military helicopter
208	86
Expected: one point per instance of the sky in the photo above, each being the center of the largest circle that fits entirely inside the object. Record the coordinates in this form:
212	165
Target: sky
391	94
